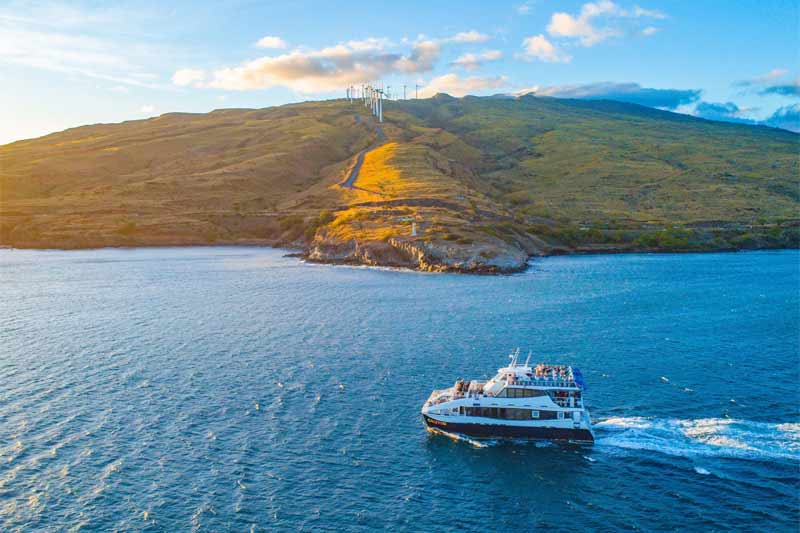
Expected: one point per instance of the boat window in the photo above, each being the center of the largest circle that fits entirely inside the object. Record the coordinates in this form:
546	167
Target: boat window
507	413
512	392
534	414
561	415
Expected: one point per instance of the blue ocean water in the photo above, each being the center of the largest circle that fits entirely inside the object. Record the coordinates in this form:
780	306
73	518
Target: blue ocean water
214	389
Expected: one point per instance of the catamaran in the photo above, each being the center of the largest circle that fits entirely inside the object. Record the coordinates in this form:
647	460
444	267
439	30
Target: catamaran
521	401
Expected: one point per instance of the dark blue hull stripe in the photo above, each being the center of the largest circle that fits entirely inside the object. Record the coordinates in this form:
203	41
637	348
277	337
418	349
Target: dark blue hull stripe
500	431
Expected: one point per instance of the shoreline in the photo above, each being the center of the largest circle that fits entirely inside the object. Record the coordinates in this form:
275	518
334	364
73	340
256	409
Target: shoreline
297	252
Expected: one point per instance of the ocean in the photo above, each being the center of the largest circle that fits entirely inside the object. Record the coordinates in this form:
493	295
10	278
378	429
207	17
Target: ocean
212	389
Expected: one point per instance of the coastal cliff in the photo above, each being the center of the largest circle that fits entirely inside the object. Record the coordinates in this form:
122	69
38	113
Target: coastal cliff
495	258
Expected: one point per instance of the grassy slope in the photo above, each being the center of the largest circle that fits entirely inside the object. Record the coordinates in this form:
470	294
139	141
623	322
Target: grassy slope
617	171
542	174
585	160
176	178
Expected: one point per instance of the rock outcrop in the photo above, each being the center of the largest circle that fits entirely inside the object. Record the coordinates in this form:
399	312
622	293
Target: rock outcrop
491	257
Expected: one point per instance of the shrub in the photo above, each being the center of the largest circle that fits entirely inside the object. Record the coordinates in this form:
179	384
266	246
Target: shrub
325	218
290	221
128	228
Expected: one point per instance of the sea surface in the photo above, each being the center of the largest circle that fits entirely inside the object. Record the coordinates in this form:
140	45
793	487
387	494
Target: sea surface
212	389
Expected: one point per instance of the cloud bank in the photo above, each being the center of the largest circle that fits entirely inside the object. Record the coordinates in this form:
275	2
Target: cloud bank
727	111
311	71
787	89
334	67
787	117
772	83
624	92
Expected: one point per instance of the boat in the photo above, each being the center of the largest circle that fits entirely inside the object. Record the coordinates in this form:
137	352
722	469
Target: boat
542	402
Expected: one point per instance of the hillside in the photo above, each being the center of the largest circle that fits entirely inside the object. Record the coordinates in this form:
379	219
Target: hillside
487	182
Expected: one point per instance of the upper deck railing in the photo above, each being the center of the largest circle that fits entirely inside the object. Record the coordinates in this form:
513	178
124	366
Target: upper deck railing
542	375
552	383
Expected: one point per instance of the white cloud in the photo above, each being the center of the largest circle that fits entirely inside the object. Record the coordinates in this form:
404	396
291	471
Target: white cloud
648	13
270	41
772	75
370	43
772	82
147	109
454	85
624	92
423	57
471	36
334	67
588	28
188	76
326	69
650	30
581	27
526	90
525	7
119	89
60	39
475	61
538	47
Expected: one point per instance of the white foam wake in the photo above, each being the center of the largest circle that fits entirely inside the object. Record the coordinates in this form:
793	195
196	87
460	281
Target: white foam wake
464	438
707	437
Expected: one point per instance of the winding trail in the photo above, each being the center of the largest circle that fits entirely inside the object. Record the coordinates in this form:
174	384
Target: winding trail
350	182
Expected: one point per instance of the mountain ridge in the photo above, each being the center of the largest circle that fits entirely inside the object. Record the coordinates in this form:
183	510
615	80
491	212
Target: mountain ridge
486	182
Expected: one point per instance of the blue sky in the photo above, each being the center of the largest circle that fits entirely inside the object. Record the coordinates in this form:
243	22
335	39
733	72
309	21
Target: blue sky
73	63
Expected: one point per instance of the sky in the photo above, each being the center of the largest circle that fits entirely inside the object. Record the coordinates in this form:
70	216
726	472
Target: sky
65	64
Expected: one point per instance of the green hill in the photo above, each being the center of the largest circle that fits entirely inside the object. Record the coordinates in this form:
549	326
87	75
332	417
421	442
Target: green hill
485	181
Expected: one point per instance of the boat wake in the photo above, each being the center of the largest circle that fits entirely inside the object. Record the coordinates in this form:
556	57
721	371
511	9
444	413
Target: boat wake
464	438
706	437
487	443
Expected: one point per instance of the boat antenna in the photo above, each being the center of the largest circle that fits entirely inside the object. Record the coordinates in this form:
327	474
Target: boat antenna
528	360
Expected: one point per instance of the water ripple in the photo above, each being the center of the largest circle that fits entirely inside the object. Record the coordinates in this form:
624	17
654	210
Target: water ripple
235	389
